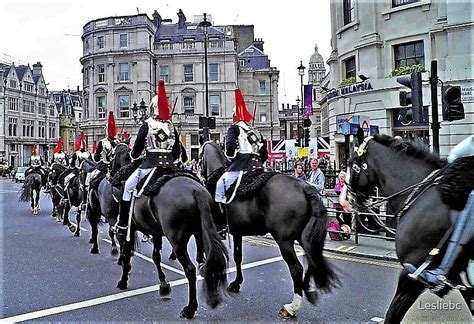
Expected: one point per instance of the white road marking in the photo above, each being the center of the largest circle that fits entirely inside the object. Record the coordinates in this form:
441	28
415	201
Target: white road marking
377	319
118	296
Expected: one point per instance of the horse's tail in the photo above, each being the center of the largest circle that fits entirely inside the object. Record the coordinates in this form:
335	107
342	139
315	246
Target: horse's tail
312	241
25	191
214	269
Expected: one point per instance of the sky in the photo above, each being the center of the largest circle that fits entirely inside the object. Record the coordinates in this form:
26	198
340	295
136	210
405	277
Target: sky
50	31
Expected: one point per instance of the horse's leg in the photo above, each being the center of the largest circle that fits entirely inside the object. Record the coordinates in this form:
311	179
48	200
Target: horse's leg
200	259
190	270
125	258
94	221
78	221
407	292
296	271
468	296
239	278
165	288
35	201
114	251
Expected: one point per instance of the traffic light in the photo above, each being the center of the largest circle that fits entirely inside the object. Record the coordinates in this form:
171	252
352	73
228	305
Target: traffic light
406	114
453	108
306	137
307	122
414	98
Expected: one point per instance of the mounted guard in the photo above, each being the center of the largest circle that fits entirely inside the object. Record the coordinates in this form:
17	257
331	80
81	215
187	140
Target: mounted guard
80	155
158	137
244	146
36	164
59	155
105	150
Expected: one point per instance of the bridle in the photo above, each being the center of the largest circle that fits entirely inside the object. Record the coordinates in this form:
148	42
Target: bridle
415	191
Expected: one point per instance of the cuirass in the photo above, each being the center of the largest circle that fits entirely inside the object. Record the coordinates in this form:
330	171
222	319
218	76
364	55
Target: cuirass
249	139
35	161
160	138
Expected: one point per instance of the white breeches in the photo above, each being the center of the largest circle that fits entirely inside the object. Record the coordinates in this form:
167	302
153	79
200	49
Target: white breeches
133	181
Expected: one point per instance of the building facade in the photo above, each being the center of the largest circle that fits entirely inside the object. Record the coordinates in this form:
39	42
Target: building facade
125	56
374	41
316	73
28	114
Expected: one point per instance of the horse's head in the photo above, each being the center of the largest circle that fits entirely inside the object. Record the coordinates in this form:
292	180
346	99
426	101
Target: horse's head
55	171
362	179
121	157
211	158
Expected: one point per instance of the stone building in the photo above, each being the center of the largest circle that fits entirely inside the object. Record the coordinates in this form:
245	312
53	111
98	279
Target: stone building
28	114
374	40
123	57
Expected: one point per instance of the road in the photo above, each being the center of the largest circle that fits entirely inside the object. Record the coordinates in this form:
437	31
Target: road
49	275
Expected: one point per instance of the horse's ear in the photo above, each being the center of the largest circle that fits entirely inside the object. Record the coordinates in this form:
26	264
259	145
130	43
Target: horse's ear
360	135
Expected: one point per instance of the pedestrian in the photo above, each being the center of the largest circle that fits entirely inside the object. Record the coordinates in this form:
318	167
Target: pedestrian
316	177
344	219
299	172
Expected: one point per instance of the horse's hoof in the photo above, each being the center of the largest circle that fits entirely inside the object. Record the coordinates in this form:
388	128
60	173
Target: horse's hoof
72	228
187	313
119	262
77	234
58	220
91	241
284	314
121	285
312	296
233	288
94	251
165	289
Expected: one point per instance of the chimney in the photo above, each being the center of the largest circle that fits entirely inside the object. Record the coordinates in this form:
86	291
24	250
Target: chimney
157	19
37	69
181	19
258	43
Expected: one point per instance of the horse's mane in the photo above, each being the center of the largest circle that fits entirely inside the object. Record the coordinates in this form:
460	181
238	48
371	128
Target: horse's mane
218	150
411	148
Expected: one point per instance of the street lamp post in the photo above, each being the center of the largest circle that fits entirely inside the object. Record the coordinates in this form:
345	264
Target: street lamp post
270	75
298	121
301	69
139	113
205	24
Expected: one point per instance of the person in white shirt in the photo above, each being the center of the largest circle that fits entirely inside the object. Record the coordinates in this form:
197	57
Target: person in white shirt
316	177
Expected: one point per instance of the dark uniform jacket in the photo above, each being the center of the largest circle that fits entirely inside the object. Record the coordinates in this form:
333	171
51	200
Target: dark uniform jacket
247	161
153	159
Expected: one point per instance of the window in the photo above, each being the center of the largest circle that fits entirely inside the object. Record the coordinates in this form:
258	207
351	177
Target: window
263	112
242	63
28	128
12	126
86	76
188	103
409	54
123	40
396	3
165	73
123	73
188	44
41	108
86	107
52	130
52	109
28	106
101	72
101	106
13	104
86	46
194	139
41	129
348	8
215	102
13	84
188	73
41	91
262	87
29	87
124	105
57	99
101	42
214	72
350	66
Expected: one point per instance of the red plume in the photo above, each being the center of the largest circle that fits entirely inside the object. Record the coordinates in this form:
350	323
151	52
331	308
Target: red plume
94	146
241	111
111	128
163	105
125	136
34	150
59	145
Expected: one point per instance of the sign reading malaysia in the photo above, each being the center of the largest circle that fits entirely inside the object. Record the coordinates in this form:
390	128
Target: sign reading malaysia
359	87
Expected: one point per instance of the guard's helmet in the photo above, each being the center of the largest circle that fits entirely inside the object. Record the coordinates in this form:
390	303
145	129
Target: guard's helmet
111	129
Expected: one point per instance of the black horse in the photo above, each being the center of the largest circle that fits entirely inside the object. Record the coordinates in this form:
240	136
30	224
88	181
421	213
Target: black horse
396	167
290	210
30	191
57	189
103	200
75	196
182	207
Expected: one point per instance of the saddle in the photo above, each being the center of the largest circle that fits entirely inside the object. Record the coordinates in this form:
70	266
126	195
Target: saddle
160	177
457	182
251	183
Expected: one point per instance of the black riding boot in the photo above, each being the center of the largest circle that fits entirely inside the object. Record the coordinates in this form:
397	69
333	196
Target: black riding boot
124	212
221	221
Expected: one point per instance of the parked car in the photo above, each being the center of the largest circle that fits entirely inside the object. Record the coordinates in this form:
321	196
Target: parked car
20	174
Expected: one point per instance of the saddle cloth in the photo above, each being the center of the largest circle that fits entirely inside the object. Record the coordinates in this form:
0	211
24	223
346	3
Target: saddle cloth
160	177
457	182
252	182
125	172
